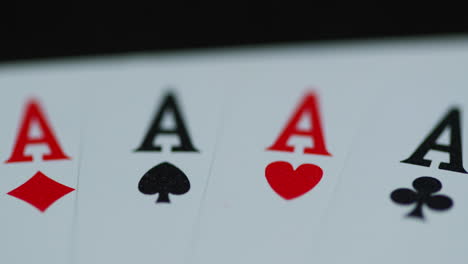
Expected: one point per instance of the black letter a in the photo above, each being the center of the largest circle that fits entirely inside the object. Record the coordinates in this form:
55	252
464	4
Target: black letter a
452	121
168	105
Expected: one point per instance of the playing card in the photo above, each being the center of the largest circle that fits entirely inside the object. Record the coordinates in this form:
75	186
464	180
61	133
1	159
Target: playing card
402	197
285	137
39	149
149	145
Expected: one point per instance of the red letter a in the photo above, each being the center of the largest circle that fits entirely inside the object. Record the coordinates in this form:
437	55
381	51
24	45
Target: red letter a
309	105
32	114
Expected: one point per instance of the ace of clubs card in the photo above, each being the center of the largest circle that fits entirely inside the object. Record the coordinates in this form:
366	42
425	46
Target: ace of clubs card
403	195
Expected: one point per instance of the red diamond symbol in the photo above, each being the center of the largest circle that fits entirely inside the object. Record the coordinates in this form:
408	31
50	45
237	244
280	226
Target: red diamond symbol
40	191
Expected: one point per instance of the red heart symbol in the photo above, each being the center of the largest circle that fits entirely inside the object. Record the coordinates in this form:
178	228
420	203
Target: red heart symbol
289	183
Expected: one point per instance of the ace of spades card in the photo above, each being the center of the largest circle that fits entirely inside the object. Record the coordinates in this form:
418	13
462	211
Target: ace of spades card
281	149
147	159
39	149
402	197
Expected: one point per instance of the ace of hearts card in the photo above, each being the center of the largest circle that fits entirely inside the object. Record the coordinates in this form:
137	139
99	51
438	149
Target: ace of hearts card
282	146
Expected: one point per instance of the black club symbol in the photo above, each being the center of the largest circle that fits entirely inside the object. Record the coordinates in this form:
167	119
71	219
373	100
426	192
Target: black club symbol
425	188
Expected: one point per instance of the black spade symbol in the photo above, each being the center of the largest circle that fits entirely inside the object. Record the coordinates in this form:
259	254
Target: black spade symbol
164	178
424	194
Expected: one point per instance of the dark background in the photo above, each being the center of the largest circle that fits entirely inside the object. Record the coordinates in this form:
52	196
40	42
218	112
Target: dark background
71	29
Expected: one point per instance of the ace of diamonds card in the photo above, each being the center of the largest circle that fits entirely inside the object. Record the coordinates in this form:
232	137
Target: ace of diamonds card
39	149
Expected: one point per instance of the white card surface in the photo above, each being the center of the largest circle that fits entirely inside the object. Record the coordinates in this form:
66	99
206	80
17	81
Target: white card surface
38	197
117	222
243	219
365	224
376	103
